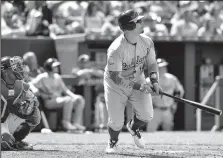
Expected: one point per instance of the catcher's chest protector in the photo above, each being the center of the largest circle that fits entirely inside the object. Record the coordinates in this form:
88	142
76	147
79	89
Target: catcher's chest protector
17	94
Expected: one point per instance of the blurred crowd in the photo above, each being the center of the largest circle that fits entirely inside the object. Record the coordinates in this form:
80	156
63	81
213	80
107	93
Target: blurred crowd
191	19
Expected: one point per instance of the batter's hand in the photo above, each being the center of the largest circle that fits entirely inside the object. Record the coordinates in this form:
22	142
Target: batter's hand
146	88
156	88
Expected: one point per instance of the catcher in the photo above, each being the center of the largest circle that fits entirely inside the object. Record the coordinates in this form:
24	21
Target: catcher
16	100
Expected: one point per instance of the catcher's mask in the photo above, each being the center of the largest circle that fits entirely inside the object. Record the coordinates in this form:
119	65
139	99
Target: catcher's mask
128	20
15	63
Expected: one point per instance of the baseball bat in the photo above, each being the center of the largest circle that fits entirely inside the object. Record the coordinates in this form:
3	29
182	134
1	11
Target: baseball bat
195	104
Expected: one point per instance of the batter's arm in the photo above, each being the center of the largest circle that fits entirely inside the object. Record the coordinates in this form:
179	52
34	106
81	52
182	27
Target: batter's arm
114	67
153	70
119	80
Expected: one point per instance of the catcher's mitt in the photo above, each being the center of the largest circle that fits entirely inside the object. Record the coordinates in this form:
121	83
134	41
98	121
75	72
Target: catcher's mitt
24	104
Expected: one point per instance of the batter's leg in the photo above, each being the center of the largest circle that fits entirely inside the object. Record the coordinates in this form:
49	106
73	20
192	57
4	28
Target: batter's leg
142	108
115	103
143	112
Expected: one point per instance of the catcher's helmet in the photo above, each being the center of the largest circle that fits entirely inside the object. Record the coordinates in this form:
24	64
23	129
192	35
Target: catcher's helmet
5	63
15	63
162	62
50	63
128	19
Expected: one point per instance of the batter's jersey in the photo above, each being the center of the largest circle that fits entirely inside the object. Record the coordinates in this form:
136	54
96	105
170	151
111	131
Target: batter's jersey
129	59
169	83
16	95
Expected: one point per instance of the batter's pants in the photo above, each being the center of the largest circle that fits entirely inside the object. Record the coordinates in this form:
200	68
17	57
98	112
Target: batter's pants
116	100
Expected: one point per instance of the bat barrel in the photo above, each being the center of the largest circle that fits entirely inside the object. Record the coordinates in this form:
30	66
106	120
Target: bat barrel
195	104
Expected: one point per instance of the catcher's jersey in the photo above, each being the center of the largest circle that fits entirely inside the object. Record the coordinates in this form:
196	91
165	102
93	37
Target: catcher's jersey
16	95
130	59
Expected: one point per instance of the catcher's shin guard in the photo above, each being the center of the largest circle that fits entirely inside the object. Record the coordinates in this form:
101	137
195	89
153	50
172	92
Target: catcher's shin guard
22	131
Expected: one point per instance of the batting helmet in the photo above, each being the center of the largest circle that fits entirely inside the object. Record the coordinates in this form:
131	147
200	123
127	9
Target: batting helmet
50	63
128	19
161	62
15	63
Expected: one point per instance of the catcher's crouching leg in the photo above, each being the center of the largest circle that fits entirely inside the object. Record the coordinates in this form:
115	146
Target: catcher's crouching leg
25	128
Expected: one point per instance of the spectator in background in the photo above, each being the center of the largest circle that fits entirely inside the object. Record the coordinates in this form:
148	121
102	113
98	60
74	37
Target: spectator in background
210	29
31	61
84	70
104	6
111	27
20	10
93	19
90	75
153	26
56	95
185	27
36	24
60	26
11	24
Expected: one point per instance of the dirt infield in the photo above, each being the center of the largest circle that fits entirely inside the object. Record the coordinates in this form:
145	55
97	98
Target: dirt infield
159	145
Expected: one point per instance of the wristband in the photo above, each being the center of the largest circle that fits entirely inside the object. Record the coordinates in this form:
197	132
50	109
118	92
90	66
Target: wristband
153	77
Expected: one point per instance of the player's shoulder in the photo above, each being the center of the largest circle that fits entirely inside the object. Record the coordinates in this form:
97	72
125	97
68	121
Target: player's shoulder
56	75
42	75
146	39
171	76
116	44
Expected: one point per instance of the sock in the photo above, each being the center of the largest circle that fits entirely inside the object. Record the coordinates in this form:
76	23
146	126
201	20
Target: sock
137	123
22	131
113	134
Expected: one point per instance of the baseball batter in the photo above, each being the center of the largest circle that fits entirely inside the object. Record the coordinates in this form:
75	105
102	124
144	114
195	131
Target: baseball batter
165	107
124	79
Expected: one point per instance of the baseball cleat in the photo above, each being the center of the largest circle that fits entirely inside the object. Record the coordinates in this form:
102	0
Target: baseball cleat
21	145
112	145
139	141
